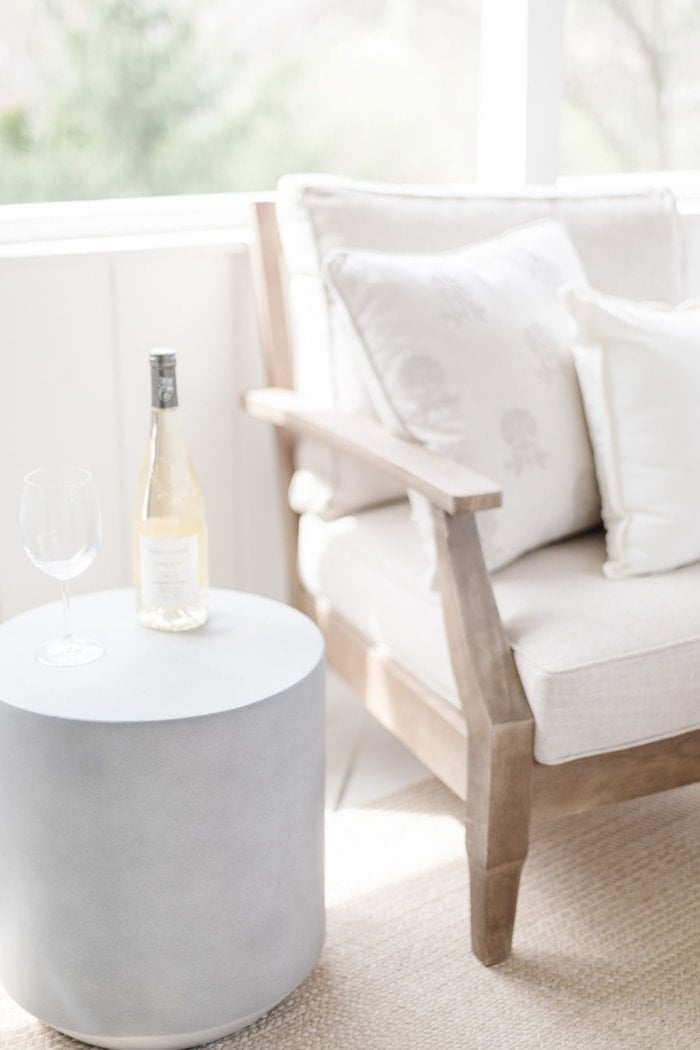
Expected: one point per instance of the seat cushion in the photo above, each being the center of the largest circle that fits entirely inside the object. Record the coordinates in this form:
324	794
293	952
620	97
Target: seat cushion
605	664
629	244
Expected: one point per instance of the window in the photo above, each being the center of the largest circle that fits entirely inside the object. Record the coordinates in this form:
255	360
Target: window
632	86
115	98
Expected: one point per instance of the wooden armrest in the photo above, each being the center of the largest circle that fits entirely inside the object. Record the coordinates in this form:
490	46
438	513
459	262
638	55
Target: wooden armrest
447	484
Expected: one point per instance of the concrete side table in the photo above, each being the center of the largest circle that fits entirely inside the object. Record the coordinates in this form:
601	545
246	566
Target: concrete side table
161	821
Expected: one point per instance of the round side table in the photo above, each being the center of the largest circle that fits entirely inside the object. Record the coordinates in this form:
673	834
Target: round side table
161	821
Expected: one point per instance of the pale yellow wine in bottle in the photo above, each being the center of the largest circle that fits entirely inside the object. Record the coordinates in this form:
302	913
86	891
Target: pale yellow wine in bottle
170	530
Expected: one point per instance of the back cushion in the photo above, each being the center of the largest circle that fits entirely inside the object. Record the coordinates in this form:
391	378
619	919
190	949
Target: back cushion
629	245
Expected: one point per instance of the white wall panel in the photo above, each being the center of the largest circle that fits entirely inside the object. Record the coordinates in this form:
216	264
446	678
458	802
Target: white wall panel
261	554
184	299
74	342
691	226
57	406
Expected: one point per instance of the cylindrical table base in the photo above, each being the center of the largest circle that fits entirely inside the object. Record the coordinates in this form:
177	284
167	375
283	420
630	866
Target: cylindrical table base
161	882
168	1042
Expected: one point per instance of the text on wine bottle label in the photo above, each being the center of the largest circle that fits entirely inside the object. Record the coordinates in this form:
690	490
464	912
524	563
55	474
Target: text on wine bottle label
170	571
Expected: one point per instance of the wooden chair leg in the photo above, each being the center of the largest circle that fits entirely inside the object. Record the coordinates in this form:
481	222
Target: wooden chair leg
498	821
500	733
493	899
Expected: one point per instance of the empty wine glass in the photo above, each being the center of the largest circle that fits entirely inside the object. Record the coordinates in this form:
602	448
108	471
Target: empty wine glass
61	532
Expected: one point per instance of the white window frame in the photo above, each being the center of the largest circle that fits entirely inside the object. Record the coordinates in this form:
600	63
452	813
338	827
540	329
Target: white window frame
520	96
520	91
53	227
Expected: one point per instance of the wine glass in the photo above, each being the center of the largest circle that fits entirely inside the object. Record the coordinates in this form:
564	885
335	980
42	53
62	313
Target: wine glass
61	532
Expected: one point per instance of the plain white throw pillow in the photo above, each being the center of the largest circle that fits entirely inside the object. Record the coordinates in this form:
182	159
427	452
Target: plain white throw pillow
468	353
639	369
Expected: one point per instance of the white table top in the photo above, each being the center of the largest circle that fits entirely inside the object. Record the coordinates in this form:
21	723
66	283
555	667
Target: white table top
251	648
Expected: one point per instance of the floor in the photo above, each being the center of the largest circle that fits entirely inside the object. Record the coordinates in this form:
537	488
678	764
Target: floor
363	761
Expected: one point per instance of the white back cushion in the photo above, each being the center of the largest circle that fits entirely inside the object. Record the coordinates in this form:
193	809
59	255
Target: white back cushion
629	245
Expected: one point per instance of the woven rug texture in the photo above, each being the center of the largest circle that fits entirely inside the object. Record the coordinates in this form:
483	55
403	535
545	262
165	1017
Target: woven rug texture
606	952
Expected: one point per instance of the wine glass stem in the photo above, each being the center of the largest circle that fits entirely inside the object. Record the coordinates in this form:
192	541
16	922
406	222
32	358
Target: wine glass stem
67	626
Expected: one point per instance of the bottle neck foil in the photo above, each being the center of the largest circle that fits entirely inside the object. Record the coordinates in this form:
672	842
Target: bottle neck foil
163	386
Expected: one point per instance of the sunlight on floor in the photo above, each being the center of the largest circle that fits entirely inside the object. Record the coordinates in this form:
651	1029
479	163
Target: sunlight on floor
364	762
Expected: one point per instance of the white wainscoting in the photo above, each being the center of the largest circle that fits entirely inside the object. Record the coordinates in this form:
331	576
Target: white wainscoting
77	324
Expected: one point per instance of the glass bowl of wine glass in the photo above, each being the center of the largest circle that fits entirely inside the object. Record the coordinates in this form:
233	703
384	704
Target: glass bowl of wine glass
61	533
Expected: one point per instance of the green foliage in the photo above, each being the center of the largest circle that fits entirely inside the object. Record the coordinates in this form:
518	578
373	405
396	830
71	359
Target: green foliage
132	104
632	86
14	129
139	97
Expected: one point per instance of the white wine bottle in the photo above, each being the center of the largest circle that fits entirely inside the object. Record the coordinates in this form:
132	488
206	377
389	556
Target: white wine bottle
170	530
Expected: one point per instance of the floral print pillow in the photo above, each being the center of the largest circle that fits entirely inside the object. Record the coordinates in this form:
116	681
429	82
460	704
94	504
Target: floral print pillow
468	352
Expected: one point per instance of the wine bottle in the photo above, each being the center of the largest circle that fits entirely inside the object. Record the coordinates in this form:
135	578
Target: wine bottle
170	531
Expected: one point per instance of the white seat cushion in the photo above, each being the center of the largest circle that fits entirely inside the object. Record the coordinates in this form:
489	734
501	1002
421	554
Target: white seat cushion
605	664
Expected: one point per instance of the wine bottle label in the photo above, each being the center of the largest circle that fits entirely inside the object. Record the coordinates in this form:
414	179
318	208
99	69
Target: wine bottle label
170	571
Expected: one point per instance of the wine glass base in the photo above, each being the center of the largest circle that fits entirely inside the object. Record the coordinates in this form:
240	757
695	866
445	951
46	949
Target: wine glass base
69	652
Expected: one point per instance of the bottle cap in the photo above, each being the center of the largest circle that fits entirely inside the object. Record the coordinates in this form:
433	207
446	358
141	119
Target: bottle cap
162	358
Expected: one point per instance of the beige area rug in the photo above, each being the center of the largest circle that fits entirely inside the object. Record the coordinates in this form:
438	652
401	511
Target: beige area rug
606	954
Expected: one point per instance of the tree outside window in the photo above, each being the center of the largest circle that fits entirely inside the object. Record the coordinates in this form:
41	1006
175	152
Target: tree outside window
110	98
632	94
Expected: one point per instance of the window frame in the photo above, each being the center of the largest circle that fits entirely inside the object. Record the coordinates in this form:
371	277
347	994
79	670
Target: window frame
515	97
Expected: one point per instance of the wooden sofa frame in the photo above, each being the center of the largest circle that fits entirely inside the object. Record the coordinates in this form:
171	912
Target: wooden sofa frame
485	752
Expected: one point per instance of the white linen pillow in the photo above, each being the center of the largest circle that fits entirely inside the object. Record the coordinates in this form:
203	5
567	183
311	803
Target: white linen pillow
468	353
638	365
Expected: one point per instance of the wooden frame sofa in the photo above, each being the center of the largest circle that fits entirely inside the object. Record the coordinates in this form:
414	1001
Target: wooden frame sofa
485	752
